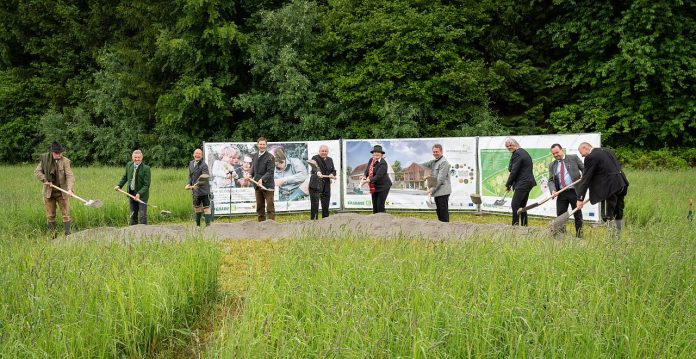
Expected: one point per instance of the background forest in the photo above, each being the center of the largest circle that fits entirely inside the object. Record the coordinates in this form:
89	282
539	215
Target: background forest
105	76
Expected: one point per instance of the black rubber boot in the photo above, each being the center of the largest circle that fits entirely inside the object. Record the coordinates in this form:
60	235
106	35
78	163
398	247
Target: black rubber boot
66	227
52	229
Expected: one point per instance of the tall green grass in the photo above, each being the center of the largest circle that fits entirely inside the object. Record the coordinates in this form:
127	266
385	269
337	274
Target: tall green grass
487	297
94	300
23	209
484	297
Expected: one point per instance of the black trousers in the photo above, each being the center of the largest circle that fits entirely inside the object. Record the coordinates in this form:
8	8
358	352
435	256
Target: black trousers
378	201
325	198
519	200
569	197
137	209
314	197
614	206
442	208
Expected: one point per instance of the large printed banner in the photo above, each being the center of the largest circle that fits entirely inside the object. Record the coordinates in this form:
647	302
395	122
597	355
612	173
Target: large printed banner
494	159
230	162
406	158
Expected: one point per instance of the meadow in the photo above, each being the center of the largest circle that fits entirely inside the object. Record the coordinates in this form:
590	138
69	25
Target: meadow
346	296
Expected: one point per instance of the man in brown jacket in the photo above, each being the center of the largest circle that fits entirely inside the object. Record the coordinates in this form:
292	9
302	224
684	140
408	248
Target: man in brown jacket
54	169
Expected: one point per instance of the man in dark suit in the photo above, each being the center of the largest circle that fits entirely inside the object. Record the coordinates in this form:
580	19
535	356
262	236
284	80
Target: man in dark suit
606	181
521	180
326	167
377	177
562	172
137	177
262	168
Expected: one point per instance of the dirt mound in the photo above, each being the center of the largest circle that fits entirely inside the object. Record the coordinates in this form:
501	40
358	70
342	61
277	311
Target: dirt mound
379	225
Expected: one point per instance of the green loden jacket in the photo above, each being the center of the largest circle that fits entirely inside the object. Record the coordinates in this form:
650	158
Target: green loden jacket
142	180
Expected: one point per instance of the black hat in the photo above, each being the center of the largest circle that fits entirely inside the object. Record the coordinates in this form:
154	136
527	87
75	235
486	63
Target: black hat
56	147
377	148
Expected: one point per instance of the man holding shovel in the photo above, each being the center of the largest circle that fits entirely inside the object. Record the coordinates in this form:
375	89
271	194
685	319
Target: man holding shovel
521	180
441	190
565	170
606	181
54	169
199	185
137	177
262	169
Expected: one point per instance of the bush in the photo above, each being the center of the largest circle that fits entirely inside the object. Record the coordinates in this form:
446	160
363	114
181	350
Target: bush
656	159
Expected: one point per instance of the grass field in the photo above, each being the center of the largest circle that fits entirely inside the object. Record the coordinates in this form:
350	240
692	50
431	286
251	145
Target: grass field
349	296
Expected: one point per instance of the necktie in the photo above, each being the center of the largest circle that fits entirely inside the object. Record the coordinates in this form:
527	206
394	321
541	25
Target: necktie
132	184
563	184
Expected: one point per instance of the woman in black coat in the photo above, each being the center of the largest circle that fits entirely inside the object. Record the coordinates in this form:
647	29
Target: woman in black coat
377	178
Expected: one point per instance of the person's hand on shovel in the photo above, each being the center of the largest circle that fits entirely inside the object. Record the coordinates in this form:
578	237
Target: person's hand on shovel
580	204
116	188
188	187
137	197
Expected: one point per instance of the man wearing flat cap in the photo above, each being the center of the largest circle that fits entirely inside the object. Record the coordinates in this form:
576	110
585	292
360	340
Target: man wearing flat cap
53	171
377	178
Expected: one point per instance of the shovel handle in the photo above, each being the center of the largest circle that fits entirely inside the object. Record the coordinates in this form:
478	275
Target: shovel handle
69	193
135	199
260	185
577	208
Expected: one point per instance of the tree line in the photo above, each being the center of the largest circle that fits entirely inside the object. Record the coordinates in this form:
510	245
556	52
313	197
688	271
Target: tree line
105	76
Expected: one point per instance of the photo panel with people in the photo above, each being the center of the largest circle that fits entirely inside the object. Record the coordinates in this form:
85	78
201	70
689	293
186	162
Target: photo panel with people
410	178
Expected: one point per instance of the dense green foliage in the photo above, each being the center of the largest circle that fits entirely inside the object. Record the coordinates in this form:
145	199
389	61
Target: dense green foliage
104	77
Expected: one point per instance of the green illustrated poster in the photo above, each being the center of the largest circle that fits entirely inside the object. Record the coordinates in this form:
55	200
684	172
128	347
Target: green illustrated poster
494	170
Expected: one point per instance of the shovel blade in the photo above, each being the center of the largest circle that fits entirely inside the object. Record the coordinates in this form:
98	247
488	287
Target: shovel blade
499	202
525	209
559	222
95	203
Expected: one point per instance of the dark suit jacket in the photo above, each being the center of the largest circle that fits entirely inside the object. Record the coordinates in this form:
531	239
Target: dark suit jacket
602	175
573	165
380	177
142	180
521	175
262	168
195	172
326	167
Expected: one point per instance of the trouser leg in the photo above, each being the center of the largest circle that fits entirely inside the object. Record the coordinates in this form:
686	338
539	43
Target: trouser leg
314	197
442	205
325	199
270	205
134	209
519	200
142	212
260	204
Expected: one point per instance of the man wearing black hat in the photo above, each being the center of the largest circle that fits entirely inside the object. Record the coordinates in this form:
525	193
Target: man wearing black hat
54	170
377	177
137	177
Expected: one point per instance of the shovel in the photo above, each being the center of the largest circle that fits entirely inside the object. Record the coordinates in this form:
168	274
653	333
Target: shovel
163	212
315	167
260	185
500	202
91	203
559	222
202	179
537	204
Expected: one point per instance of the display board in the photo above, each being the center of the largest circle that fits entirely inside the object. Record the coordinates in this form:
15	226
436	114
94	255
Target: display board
493	163
230	162
406	158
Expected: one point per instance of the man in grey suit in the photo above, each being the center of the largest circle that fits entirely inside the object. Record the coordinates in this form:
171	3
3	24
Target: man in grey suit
442	188
562	172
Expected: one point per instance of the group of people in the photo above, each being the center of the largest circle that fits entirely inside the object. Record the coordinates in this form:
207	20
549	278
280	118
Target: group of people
569	180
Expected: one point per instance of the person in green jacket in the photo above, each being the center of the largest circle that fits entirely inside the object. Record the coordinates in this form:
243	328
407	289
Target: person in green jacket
137	177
